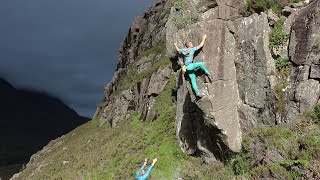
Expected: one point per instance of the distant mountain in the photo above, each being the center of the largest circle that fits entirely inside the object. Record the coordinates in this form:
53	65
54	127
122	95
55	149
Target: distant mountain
29	120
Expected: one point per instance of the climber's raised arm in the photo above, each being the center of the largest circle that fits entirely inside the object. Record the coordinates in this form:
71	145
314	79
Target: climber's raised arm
177	48
202	42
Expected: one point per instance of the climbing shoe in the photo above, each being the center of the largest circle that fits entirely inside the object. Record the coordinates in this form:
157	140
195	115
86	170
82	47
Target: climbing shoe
199	95
184	68
210	78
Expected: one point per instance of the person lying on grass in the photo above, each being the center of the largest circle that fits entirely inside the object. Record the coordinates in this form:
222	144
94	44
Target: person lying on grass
141	174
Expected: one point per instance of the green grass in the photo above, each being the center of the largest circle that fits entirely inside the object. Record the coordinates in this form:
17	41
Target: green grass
240	164
278	37
277	97
258	6
282	63
116	153
182	20
157	49
165	98
95	122
180	5
313	115
183	16
276	8
132	76
97	152
147	139
252	6
298	146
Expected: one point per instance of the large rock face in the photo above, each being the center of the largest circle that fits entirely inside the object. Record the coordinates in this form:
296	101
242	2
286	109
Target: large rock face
255	70
237	55
142	48
216	112
304	51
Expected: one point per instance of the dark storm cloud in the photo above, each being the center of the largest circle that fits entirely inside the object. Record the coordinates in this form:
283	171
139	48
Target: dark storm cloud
67	48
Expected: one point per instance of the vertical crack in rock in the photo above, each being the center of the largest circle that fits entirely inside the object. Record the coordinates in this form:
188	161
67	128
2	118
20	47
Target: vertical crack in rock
221	55
196	131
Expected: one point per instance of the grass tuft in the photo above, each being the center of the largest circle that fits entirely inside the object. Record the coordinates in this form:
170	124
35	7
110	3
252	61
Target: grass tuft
183	17
277	36
157	49
258	6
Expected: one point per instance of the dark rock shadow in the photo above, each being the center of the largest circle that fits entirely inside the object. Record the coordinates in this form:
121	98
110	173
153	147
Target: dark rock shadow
188	132
211	137
199	136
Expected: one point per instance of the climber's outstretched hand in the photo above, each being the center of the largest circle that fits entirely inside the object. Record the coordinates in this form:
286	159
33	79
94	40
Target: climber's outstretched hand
204	36
154	161
202	42
176	46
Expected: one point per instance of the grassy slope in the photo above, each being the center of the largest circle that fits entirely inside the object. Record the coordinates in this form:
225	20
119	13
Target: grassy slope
93	152
103	153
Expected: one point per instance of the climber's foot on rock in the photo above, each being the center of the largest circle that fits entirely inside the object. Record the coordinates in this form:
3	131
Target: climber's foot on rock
210	78
199	95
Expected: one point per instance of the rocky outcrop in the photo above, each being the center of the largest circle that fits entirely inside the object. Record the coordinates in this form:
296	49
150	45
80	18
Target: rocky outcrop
222	94
304	52
255	70
246	85
218	9
146	31
141	50
236	53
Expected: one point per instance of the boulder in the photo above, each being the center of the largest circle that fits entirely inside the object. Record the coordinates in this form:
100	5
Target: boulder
286	11
272	17
307	94
304	51
158	81
315	72
204	5
304	34
237	55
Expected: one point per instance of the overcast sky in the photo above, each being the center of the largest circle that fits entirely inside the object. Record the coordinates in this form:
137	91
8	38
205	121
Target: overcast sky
67	48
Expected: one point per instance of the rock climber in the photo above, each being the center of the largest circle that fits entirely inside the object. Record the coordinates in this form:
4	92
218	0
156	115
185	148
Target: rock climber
191	67
141	174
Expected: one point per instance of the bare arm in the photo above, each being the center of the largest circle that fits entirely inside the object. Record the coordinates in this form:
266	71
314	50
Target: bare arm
202	42
144	164
150	168
177	48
